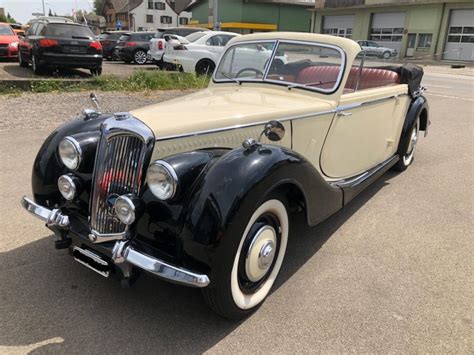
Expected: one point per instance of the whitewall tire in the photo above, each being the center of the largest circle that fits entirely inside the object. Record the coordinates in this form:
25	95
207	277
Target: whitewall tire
243	281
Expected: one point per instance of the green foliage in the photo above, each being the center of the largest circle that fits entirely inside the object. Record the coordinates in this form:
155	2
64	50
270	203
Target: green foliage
7	18
141	80
98	6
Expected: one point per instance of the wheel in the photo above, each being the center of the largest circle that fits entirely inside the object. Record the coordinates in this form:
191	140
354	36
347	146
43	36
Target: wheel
37	69
244	280
407	158
96	71
205	67
139	57
22	63
386	55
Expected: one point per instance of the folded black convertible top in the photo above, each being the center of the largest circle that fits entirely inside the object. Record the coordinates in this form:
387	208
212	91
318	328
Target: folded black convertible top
410	74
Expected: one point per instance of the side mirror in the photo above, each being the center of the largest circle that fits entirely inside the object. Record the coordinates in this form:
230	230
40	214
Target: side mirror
274	131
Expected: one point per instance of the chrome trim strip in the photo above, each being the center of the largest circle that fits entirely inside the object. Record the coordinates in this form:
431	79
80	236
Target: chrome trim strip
94	257
369	102
229	128
358	179
50	217
96	237
163	269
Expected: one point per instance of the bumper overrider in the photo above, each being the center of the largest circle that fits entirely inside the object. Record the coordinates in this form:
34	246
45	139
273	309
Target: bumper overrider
123	253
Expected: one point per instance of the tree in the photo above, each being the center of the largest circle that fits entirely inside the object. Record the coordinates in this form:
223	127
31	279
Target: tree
50	13
98	6
9	19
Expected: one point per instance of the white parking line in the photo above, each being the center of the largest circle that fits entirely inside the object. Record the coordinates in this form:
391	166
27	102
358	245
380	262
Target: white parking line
449	96
439	86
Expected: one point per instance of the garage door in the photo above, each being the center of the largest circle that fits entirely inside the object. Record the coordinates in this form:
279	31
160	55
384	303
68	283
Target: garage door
338	25
460	42
387	29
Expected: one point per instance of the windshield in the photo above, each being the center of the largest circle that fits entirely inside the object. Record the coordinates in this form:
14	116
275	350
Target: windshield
193	37
68	31
313	66
6	31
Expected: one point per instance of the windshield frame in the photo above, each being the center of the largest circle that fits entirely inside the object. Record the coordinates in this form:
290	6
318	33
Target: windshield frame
290	85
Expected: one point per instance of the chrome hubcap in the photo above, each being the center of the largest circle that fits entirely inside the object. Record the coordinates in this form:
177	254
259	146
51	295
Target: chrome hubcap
261	253
412	145
140	57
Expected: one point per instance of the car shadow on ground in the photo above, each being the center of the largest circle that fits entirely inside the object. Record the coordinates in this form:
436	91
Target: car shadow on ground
17	72
76	310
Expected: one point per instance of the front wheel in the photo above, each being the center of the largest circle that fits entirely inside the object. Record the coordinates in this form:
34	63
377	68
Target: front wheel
243	283
205	67
21	61
37	69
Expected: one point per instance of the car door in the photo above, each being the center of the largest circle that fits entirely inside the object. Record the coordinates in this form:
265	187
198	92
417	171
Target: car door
373	48
26	44
216	45
365	130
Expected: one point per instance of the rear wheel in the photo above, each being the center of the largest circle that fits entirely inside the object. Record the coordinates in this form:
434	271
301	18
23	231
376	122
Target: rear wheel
37	69
407	158
22	63
205	67
243	282
139	57
96	71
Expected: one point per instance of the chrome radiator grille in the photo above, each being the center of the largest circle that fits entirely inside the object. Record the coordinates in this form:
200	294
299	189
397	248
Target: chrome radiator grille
119	169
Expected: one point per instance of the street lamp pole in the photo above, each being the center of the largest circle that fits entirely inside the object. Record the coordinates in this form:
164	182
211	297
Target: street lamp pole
44	10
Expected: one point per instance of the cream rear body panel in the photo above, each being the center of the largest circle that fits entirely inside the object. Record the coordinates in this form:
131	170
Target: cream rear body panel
367	134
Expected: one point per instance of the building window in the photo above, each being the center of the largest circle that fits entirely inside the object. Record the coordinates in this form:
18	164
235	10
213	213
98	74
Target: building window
388	34
461	34
149	18
159	5
183	20
424	40
150	5
340	32
166	19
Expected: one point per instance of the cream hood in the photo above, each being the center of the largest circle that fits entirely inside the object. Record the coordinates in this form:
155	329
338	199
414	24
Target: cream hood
227	106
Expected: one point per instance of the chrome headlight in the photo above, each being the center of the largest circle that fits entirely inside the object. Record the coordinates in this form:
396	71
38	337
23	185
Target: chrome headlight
70	153
67	187
162	180
125	209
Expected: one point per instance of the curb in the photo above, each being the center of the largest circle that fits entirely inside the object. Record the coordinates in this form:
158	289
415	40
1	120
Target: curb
27	85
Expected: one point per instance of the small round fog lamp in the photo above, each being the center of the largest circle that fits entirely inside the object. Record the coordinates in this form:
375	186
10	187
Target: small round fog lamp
125	209
67	187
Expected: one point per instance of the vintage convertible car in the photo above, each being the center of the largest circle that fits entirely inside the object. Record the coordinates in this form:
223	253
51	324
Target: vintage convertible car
199	190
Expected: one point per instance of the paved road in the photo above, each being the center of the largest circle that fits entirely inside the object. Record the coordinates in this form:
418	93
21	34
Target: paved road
390	273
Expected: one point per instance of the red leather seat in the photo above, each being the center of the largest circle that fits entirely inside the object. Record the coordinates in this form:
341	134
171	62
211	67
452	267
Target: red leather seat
325	77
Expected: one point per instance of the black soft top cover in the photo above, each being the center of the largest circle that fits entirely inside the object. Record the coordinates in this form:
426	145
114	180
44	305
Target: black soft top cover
410	74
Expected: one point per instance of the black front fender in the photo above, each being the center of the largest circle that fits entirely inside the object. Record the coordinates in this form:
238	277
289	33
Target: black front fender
418	108
234	186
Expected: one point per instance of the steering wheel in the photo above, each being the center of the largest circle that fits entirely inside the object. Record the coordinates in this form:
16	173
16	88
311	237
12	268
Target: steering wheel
248	69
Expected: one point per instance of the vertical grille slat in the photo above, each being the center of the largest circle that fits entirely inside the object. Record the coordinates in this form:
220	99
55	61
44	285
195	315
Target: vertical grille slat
117	171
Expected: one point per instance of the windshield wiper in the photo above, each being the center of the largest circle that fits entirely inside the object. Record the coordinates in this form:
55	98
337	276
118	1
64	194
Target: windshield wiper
230	78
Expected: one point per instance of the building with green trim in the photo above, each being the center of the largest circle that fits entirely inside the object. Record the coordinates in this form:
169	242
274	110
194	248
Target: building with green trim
247	16
420	29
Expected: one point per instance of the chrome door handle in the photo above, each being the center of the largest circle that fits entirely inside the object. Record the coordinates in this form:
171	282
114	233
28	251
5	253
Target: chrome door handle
344	113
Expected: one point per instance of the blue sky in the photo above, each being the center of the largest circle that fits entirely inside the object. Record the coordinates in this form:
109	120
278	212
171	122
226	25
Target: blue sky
21	10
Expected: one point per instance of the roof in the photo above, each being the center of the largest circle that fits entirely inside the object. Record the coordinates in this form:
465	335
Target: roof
346	44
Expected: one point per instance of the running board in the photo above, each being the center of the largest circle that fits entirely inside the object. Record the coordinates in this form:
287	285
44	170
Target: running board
353	186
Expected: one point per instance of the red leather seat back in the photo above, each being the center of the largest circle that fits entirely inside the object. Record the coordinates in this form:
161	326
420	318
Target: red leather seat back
371	78
325	76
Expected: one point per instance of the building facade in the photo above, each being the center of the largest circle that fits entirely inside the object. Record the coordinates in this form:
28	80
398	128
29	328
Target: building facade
143	15
247	16
420	29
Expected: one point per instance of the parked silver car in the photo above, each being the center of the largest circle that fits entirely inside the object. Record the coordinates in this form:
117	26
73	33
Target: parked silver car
373	48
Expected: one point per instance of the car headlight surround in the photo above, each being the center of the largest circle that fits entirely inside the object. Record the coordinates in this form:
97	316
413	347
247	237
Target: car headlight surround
68	186
125	209
14	44
162	180
70	152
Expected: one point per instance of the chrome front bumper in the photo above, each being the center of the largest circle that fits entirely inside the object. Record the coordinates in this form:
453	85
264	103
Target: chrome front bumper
122	251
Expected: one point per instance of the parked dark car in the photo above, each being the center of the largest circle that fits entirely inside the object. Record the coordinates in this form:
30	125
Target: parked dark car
109	40
57	44
133	47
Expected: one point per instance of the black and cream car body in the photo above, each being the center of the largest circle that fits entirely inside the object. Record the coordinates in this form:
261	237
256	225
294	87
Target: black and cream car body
197	190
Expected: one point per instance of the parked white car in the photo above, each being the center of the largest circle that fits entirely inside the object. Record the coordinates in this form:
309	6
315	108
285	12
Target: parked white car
199	52
157	44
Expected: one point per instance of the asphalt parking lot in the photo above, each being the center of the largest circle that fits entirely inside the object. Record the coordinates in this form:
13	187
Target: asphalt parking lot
390	273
